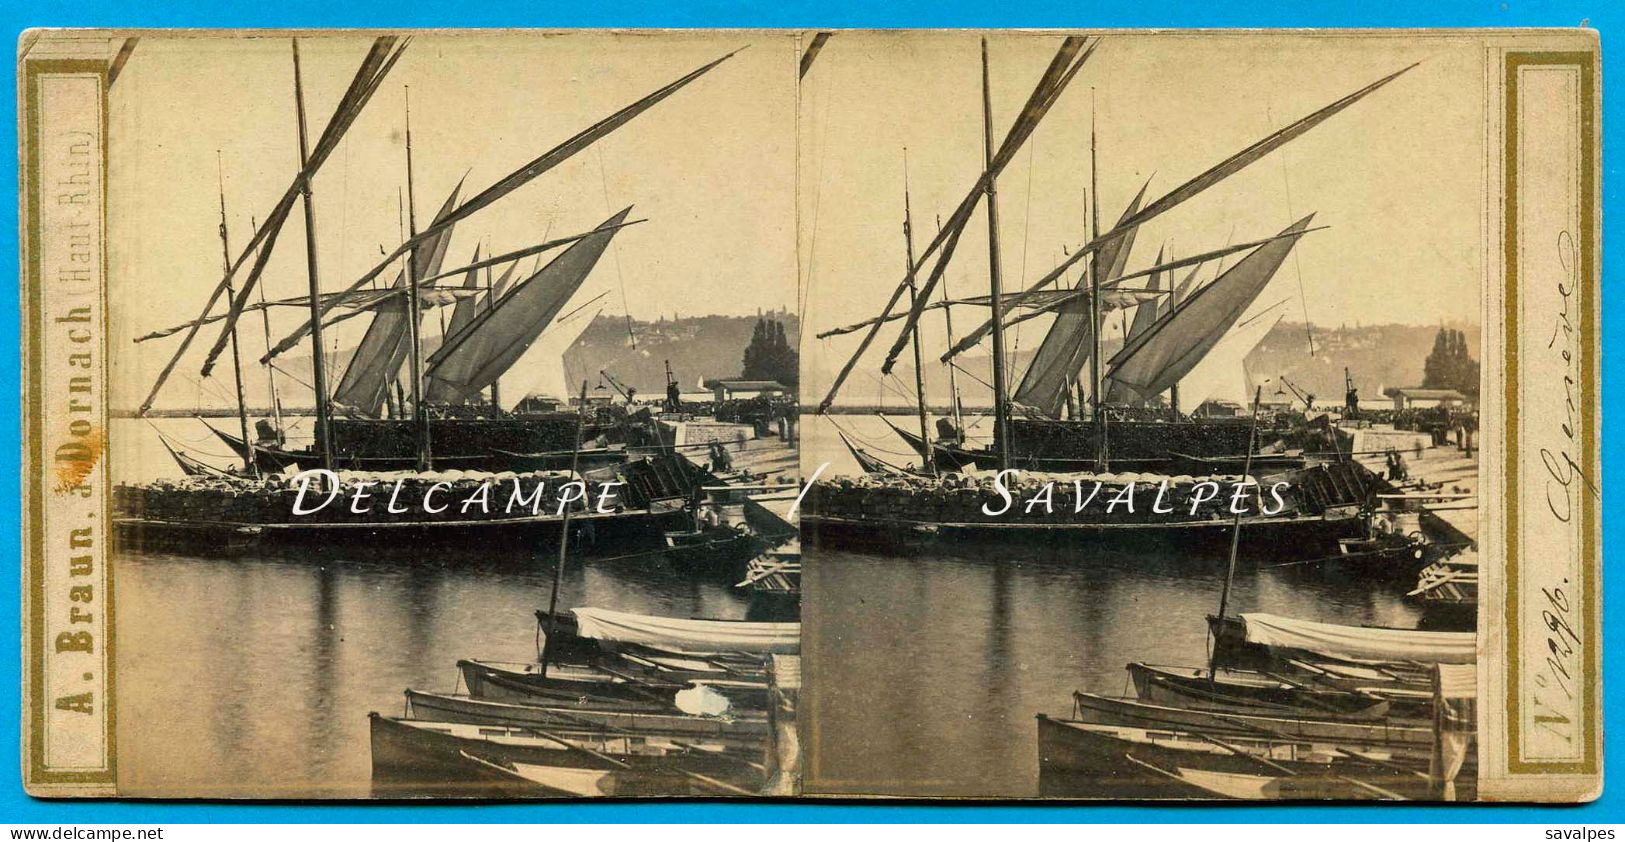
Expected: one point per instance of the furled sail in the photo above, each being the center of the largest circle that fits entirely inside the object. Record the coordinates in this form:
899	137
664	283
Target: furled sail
1222	374
1069	343
511	182
368	78
1172	347
377	361
1213	175
483	351
1145	314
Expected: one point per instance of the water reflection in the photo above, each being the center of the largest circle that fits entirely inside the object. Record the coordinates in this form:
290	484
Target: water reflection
253	677
930	669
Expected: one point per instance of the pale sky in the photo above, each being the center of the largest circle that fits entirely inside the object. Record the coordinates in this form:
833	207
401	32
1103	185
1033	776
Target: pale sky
711	168
1398	177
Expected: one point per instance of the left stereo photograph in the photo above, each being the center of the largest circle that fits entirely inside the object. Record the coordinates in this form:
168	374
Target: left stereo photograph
410	415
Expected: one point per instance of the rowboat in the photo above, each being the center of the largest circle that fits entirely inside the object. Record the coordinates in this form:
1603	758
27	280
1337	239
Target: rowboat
605	687
721	549
641	661
776	572
735	731
1399	739
1273	787
1270	693
432	758
1267	640
685	636
1448	591
576	687
539	781
1087	759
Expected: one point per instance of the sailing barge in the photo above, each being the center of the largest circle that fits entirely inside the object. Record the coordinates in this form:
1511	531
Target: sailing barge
397	407
1076	411
632	506
1298	511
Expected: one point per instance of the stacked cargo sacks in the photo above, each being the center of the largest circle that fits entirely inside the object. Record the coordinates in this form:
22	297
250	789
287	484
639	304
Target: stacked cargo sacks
369	497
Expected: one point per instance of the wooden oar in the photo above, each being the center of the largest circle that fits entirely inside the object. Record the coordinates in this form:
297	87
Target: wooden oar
1292	773
686	746
1279	735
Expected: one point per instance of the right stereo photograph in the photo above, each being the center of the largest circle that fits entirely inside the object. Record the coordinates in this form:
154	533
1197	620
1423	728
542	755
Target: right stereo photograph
1178	408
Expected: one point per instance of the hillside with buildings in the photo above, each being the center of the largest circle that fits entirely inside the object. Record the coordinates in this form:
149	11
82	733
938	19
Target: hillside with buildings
699	348
1378	357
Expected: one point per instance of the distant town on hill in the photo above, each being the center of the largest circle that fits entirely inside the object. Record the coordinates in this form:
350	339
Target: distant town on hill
1378	357
699	348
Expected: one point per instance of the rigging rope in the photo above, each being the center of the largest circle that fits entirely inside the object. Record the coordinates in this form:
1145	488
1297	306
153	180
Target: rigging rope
805	291
603	178
867	444
1297	261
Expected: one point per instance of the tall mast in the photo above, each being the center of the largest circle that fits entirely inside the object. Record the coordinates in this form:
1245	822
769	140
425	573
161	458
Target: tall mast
1235	535
420	415
564	535
270	368
324	427
496	383
1077	382
948	322
1095	384
236	358
1173	391
1001	437
926	456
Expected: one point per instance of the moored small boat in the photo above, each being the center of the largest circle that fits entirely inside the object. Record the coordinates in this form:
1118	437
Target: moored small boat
1406	738
431	758
1086	759
731	730
683	636
1269	693
1269	641
563	687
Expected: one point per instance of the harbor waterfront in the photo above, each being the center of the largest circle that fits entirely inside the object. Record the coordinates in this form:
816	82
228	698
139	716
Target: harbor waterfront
251	676
920	660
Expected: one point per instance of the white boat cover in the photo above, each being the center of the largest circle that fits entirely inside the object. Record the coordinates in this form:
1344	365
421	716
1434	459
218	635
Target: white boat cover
693	637
1355	643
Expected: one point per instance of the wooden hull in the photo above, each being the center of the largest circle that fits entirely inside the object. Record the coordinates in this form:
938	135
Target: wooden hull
1231	649
1261	693
1205	539
626	680
722	553
515	684
420	758
740	732
1087	760
592	533
1407	739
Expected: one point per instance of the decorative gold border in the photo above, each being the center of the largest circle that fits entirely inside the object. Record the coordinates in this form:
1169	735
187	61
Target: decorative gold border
32	291
1587	288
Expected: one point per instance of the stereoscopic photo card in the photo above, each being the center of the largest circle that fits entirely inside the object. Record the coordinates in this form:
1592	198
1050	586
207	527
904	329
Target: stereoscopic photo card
1166	415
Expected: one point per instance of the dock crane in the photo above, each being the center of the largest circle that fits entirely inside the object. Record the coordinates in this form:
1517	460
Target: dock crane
627	392
1308	398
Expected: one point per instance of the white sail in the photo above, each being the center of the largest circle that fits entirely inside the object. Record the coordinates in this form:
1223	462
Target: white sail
541	370
1222	374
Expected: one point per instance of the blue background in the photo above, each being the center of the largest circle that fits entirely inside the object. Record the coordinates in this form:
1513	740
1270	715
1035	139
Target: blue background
1605	15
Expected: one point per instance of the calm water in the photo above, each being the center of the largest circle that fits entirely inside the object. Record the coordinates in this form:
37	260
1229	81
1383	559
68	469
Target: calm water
925	672
253	677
